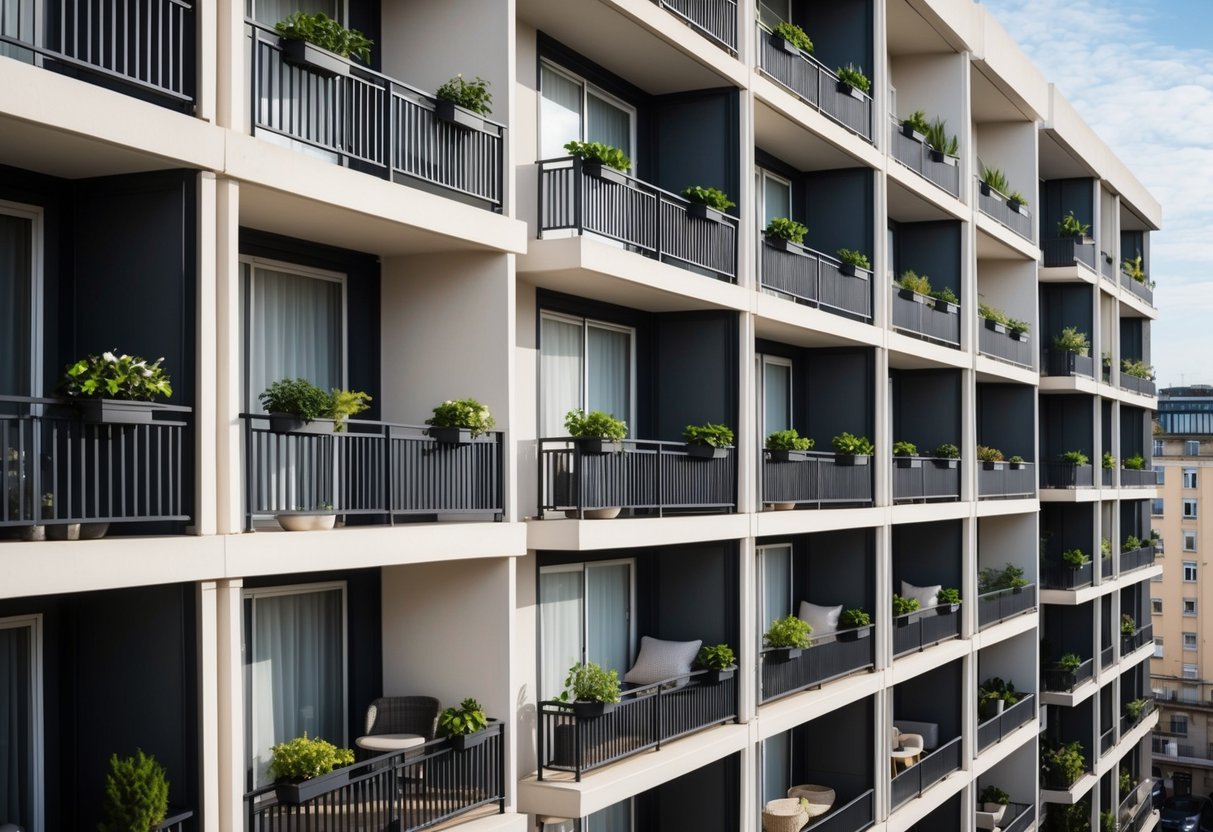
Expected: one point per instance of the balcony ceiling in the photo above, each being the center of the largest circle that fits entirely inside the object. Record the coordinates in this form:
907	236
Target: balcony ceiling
990	247
907	206
1057	161
69	155
991	104
915	32
792	143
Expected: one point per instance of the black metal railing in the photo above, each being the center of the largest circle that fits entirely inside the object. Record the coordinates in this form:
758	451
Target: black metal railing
828	657
1138	287
1066	475
1022	815
1107	657
644	718
1136	807
816	85
1066	363
714	19
1136	559
371	468
1141	386
854	816
143	46
1060	576
1068	251
1002	604
645	218
1138	639
1004	346
814	479
374	123
60	469
924	316
405	790
917	156
925	478
1006	479
1138	478
996	206
817	279
919	630
919	777
997	728
1128	723
1106	740
1059	680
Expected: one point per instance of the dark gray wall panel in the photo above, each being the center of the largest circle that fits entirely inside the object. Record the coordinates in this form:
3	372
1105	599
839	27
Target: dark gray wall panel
1059	197
1066	424
695	371
932	697
832	568
837	207
926	408
847	765
1006	418
841	32
925	554
695	136
1062	306
703	799
838	391
931	249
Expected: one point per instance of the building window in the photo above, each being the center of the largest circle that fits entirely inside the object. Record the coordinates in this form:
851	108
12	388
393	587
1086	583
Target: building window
1189	571
1189	478
571	109
1189	606
1156	606
1156	507
1191	671
776	197
1192	447
776	394
1189	641
20	290
585	615
21	721
1179	722
1189	509
1189	541
584	365
1160	475
1157	447
1158	647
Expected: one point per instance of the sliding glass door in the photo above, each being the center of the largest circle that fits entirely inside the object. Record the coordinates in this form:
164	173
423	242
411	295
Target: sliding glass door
20	724
584	616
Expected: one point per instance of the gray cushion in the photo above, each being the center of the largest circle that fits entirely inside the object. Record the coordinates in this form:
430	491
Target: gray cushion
823	620
927	595
660	660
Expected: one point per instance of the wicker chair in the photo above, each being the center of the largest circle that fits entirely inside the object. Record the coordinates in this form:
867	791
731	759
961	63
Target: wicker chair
403	715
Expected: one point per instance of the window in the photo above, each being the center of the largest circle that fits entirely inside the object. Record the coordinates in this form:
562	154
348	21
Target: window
772	12
1190	671
20	295
1189	509
1189	641
1189	606
615	818
585	615
1189	478
1189	571
1158	647
1179	722
776	197
776	394
584	365
295	668
1192	447
1189	541
571	109
1156	606
1156	507
270	12
21	719
1160	476
1157	447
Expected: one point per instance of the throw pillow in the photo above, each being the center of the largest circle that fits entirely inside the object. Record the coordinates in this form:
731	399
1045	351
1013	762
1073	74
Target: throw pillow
660	660
823	620
926	595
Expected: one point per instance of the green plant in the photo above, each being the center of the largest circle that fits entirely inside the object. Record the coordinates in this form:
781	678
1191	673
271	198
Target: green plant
988	454
1134	463
321	30
946	295
993	794
917	120
1105	548
914	282
590	683
1075	458
1016	196
463	413
853	75
1109	461
847	444
1063	764
1071	340
471	95
854	618
947	596
1071	227
1137	369
303	758
1016	460
995	180
717	436
905	449
991	579
1069	662
1127	625
993	314
1107	821
1074	558
1131	544
995	689
136	794
1017	326
904	606
1134	708
782	228
788	631
1126	783
1133	268
712	197
346	403
716	657
794	35
1107	359
938	138
468	718
296	397
946	451
854	258
114	376
595	425
788	440
604	154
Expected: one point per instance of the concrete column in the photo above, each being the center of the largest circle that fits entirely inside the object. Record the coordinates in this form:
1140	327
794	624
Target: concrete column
205	367
231	97
227	348
229	683
205	19
208	706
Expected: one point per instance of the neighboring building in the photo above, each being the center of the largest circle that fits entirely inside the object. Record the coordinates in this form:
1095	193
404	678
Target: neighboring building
1182	663
177	182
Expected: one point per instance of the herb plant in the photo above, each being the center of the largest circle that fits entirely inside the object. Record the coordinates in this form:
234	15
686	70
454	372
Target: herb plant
605	154
716	436
468	718
716	657
946	451
848	444
904	606
789	631
114	376
788	440
948	595
712	197
296	397
945	294
988	454
782	228
852	618
905	449
321	30
472	95
595	425
794	35
136	794
1074	558
590	683
302	759
463	413
1016	460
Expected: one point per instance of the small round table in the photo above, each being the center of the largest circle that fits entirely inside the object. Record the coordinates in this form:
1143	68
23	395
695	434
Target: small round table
389	742
820	798
905	756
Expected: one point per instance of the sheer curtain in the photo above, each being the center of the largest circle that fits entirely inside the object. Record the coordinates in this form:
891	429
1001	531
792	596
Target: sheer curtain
608	123
15	287
560	372
776	751
560	619
559	112
777	199
775	569
296	671
609	368
608	590
776	397
16	727
270	12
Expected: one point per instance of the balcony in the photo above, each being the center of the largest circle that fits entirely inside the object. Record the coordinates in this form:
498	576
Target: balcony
997	728
997	207
373	123
1107	267
1136	559
815	85
372	468
926	317
1138	639
920	157
994	340
1022	815
816	279
921	479
1059	680
812	480
146	49
1006	480
1066	475
1141	288
1137	808
1140	386
1001	604
404	790
1128	723
716	20
646	717
65	474
918	778
828	657
855	816
589	199
1106	740
1066	363
1060	252
1064	577
919	630
1107	657
1138	478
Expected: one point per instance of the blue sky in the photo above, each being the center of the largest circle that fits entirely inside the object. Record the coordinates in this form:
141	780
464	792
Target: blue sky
1141	73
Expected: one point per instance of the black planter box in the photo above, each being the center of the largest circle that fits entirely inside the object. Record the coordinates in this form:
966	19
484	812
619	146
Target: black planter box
780	244
947	609
314	58
947	307
1017	466
289	423
909	132
986	190
715	677
297	793
940	157
452	113
847	269
706	452
993	466
1020	336
462	742
1001	329
785	45
851	459
604	172
788	456
909	294
703	212
114	412
1015	205
450	435
848	89
784	654
907	462
592	710
854	633
594	445
945	462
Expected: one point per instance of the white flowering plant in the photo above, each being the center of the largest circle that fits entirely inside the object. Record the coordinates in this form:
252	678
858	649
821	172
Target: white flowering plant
463	413
114	376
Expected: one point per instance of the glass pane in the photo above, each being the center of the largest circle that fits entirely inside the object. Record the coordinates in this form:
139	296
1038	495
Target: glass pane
560	368
270	12
775	569
775	755
776	397
615	818
777	199
610	372
608	597
559	112
772	12
16	727
608	123
560	628
16	280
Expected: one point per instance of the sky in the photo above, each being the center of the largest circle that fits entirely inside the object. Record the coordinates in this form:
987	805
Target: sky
1140	72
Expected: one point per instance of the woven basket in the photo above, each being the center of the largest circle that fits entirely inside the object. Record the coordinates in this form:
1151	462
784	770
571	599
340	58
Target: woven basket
821	798
785	815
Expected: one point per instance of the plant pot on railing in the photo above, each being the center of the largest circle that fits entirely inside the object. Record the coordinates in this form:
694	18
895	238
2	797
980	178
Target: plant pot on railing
781	244
783	654
850	89
604	172
305	790
452	113
700	211
907	294
907	461
306	522
907	130
114	411
283	423
592	710
788	456
450	435
939	157
313	58
715	677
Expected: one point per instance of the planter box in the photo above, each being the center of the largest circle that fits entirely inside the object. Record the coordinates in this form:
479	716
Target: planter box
847	269
910	133
784	654
944	462
908	294
296	793
593	445
313	58
947	609
854	633
1015	205
789	456
785	45
462	742
706	452
848	89
715	677
947	307
592	710
851	459
1017	466
907	462
450	435
780	244
452	113
114	412
1021	336
994	325
606	173
306	522
994	466
288	423
700	211
939	157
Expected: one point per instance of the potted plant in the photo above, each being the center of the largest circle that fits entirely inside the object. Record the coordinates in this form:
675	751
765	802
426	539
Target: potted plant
1109	461
303	768
852	81
293	404
851	450
946	301
852	260
1063	765
1126	785
946	455
905	455
706	203
1068	343
719	662
1105	548
994	695
708	441
316	518
601	161
787	638
1019	329
944	148
994	801
596	432
1127	626
1017	202
902	607
463	103
1133	269
914	287
1134	708
1072	460
459	421
1134	463
115	389
1016	462
948	600
991	458
590	690
1074	559
346	403
319	43
993	181
853	624
1131	544
785	234
994	318
135	795
464	726
788	446
1071	227
791	39
915	126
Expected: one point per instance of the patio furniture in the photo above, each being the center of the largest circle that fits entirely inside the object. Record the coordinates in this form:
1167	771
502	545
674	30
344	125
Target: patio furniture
906	750
398	722
820	798
991	817
784	815
929	731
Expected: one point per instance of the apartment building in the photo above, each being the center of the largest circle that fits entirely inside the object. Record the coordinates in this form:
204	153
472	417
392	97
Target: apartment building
179	182
1182	448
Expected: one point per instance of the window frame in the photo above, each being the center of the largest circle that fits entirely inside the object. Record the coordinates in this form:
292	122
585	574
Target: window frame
34	215
763	175
1189	536
1158	647
1189	606
1191	447
585	323
586	87
765	359
1189	478
1190	502
37	712
1156	606
1190	568
1190	642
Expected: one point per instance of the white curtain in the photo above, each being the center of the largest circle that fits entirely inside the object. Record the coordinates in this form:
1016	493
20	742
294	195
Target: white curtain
775	568
776	397
777	199
560	619
16	727
609	368
559	112
296	671
608	123
560	372
608	592
15	287
269	12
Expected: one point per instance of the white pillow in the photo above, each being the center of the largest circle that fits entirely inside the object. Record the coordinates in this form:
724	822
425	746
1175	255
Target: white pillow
823	620
660	660
926	595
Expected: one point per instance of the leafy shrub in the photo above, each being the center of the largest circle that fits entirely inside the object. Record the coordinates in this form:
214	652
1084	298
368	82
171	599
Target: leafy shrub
854	258
993	314
1137	369
471	95
905	449
463	413
782	228
346	403
852	618
1075	458
1071	340
794	35
945	294
717	436
112	376
1017	326
712	197
917	120
853	75
788	631
788	440
595	425
468	718
1134	708
1134	269
995	179
1074	558
1063	764
988	454
321	30
946	451
1105	548
136	794
716	657
948	595
1109	461
1071	227
1126	783
1016	196
590	683
1134	463
904	606
938	138
303	758
995	689
847	444
993	794
605	154
914	282
990	579
1069	662
1131	544
1127	625
296	397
